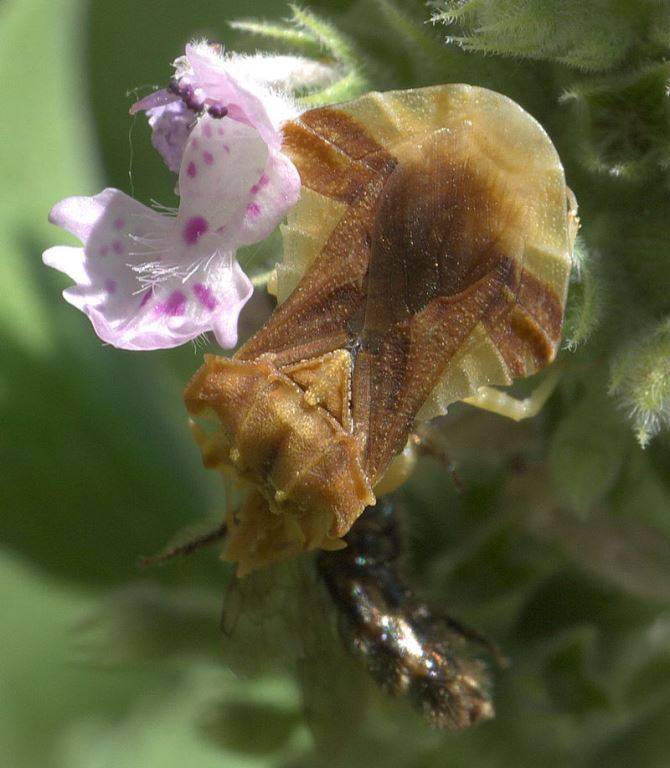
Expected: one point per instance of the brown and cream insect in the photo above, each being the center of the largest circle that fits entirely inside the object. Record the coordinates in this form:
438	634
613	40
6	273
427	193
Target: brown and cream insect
428	259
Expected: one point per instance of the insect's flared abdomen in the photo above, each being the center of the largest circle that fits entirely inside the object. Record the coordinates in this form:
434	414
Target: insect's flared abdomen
408	650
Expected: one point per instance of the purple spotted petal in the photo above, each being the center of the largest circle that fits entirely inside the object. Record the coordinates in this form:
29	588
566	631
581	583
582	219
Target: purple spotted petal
177	311
222	161
272	194
234	190
148	280
183	294
171	122
219	85
235	86
225	292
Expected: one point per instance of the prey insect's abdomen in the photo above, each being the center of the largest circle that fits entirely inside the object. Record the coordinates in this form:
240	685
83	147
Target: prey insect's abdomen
408	650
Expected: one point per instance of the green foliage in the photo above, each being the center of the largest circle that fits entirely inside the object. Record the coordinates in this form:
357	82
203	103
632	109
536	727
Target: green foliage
593	35
587	450
308	33
641	381
622	123
585	298
559	545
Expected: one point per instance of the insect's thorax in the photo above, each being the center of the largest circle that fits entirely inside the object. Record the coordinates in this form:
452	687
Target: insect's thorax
286	434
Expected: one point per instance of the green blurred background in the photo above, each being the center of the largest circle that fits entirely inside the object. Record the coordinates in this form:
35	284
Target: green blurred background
558	548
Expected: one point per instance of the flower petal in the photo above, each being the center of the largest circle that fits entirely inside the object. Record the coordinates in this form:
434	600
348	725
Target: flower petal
171	125
71	261
154	101
232	291
114	229
248	87
271	196
148	280
218	84
138	282
82	215
176	311
222	162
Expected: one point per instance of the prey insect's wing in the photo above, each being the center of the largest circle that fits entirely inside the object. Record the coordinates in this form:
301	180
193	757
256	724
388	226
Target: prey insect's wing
432	240
280	619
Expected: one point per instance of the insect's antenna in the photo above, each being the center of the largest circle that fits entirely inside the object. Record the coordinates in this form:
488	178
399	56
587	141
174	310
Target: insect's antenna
200	542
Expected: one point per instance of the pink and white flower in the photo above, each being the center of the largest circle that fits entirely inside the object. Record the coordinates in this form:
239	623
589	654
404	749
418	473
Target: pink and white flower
248	89
150	280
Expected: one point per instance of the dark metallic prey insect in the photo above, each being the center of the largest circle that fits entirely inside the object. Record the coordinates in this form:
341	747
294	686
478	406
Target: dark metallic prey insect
427	259
409	649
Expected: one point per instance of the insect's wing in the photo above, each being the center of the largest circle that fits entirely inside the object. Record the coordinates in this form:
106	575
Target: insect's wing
469	263
326	241
279	619
432	239
258	621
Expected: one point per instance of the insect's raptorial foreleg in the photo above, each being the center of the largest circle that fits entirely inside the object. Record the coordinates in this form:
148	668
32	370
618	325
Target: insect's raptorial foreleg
504	404
188	548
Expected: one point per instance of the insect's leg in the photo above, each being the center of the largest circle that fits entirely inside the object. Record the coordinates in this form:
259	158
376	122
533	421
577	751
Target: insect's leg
429	441
199	542
504	404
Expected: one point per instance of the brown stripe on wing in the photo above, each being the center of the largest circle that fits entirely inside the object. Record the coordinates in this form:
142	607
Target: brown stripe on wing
445	238
543	304
349	136
395	374
323	167
337	159
528	329
326	308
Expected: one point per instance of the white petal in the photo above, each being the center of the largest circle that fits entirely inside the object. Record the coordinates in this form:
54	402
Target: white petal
176	310
71	261
274	193
188	294
170	128
245	100
222	162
